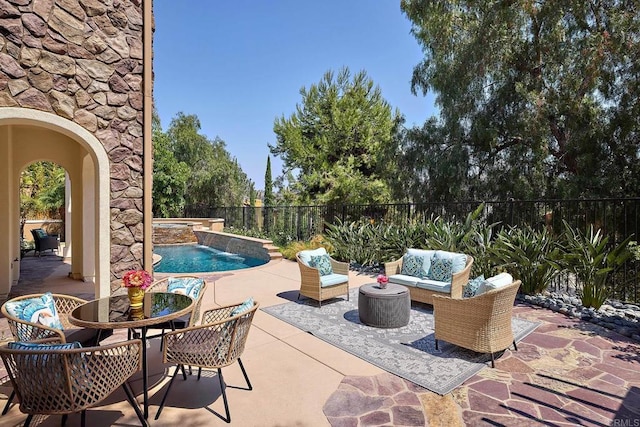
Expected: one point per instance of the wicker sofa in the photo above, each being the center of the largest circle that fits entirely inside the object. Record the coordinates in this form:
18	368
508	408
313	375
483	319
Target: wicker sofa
421	287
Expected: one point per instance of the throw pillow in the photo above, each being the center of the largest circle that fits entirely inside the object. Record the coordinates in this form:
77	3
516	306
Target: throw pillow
322	263
471	289
440	270
189	286
20	345
41	310
242	308
412	265
41	233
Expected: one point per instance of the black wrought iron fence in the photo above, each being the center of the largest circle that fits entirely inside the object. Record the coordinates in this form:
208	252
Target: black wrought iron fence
617	218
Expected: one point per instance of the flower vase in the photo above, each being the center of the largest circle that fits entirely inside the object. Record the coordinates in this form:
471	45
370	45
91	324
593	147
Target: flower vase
136	296
382	285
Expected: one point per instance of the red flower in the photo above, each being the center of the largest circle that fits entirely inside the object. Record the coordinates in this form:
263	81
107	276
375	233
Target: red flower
137	279
382	279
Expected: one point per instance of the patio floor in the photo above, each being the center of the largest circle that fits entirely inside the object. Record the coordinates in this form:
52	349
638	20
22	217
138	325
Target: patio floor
566	373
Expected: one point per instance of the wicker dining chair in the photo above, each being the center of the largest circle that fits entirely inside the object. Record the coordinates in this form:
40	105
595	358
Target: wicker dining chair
216	343
54	381
481	323
186	320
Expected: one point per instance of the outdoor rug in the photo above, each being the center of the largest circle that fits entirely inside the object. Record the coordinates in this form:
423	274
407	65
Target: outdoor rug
408	352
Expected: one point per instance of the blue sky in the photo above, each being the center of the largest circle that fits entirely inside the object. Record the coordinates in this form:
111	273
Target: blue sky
240	64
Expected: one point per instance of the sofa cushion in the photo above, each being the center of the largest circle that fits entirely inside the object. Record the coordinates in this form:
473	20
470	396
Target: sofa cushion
426	254
440	269
305	256
471	288
434	285
333	279
322	263
402	279
459	261
495	282
412	265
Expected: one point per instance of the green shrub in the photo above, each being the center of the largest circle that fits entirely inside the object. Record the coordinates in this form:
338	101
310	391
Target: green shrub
590	257
528	255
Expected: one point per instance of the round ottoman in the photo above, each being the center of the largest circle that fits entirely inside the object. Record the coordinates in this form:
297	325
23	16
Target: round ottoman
384	308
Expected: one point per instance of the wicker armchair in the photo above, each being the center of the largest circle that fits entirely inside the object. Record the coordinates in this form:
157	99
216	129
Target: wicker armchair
44	241
23	330
311	282
62	382
481	323
189	319
218	342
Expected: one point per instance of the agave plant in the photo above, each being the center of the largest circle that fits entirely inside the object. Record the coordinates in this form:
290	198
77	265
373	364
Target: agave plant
590	257
529	255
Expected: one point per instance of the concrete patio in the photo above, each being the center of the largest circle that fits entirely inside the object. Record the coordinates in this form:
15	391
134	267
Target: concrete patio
566	373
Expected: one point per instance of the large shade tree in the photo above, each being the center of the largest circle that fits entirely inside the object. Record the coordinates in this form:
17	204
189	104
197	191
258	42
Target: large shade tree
536	98
335	141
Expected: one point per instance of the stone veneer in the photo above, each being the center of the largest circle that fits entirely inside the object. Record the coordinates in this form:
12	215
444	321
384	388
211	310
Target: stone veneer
247	246
83	60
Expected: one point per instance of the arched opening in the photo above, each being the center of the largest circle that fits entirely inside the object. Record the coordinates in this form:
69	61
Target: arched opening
27	136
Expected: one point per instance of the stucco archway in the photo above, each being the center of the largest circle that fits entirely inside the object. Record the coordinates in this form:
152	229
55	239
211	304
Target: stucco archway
28	135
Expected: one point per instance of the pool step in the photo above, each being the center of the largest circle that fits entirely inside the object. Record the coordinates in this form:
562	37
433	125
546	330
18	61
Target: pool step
273	251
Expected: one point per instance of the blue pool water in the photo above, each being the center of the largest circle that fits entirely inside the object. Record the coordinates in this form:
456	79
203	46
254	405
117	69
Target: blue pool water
200	259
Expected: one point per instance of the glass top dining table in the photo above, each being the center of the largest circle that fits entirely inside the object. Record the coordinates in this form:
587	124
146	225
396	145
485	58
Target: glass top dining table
114	312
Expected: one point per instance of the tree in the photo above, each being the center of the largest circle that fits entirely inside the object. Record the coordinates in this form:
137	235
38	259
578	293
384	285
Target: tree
268	185
335	141
215	177
169	175
536	98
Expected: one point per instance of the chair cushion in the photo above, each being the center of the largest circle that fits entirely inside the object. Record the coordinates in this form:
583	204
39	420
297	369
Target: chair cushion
426	254
434	285
412	266
305	256
403	279
41	310
471	288
189	286
441	269
459	261
333	279
322	263
242	308
21	345
496	282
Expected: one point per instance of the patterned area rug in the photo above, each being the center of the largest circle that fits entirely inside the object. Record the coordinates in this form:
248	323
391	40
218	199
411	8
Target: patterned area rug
408	352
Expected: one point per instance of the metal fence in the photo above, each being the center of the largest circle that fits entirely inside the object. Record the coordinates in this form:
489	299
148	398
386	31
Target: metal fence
617	218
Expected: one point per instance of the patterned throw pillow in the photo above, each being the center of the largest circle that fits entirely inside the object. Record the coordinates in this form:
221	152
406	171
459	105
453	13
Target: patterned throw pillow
471	288
41	310
242	308
412	265
189	286
322	263
440	270
19	345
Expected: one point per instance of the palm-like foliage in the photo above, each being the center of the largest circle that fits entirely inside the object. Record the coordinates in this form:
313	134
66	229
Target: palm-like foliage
528	255
590	257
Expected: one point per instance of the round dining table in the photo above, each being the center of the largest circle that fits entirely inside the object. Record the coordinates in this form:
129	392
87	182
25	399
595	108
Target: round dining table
114	312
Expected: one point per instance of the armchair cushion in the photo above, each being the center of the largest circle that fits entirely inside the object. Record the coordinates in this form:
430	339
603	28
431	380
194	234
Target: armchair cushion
412	265
40	310
189	286
441	269
322	263
305	256
496	282
471	289
333	279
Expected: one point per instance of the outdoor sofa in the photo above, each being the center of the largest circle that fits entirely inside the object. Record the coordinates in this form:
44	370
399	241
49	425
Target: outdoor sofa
427	273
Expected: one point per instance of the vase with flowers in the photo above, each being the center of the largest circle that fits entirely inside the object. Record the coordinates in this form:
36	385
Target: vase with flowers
136	281
382	281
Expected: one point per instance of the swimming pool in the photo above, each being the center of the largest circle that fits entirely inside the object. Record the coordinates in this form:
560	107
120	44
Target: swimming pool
200	259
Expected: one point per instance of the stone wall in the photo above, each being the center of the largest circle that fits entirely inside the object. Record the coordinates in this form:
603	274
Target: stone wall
83	60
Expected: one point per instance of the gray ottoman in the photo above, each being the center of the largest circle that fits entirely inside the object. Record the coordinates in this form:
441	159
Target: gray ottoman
384	308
